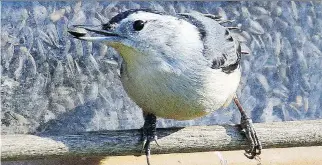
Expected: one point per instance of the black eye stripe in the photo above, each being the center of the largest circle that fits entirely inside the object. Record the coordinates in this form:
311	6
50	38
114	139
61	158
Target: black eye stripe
138	25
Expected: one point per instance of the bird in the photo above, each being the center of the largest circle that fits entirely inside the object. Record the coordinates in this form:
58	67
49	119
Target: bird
175	66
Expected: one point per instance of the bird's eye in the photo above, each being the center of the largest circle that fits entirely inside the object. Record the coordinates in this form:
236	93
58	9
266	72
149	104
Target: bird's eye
138	25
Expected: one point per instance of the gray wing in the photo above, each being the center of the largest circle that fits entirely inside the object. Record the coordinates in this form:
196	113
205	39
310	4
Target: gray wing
219	46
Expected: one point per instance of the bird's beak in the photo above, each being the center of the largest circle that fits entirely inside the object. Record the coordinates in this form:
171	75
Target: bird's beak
82	32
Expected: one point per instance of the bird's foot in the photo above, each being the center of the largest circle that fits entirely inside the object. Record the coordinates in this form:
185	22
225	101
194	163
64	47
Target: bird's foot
146	146
149	135
255	146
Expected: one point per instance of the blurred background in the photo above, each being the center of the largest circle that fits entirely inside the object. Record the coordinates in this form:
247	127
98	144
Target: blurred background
53	83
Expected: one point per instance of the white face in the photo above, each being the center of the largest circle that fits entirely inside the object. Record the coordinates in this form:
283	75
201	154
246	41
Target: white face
156	28
164	33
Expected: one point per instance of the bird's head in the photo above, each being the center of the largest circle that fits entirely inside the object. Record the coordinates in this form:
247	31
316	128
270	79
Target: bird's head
147	33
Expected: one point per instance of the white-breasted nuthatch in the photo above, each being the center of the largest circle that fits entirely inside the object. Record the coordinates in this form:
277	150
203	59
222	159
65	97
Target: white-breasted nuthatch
180	66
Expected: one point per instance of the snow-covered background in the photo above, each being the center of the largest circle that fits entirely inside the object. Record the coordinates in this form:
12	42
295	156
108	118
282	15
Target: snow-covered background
51	82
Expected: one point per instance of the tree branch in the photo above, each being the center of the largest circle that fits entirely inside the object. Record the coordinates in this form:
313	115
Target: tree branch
171	140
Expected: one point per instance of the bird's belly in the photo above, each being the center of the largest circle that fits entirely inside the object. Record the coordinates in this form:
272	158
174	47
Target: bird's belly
173	107
166	106
172	100
163	103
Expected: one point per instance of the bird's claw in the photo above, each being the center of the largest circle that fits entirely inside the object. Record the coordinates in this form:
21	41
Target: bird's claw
146	142
146	146
255	146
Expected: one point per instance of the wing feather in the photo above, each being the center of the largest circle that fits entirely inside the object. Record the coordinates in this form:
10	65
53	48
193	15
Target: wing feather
220	48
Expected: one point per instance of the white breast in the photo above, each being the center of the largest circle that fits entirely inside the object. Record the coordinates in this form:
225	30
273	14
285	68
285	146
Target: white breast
167	93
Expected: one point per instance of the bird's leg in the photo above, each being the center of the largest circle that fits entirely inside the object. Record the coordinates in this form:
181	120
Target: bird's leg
246	123
149	134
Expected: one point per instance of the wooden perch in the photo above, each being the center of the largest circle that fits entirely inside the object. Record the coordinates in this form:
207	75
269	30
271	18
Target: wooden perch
171	140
